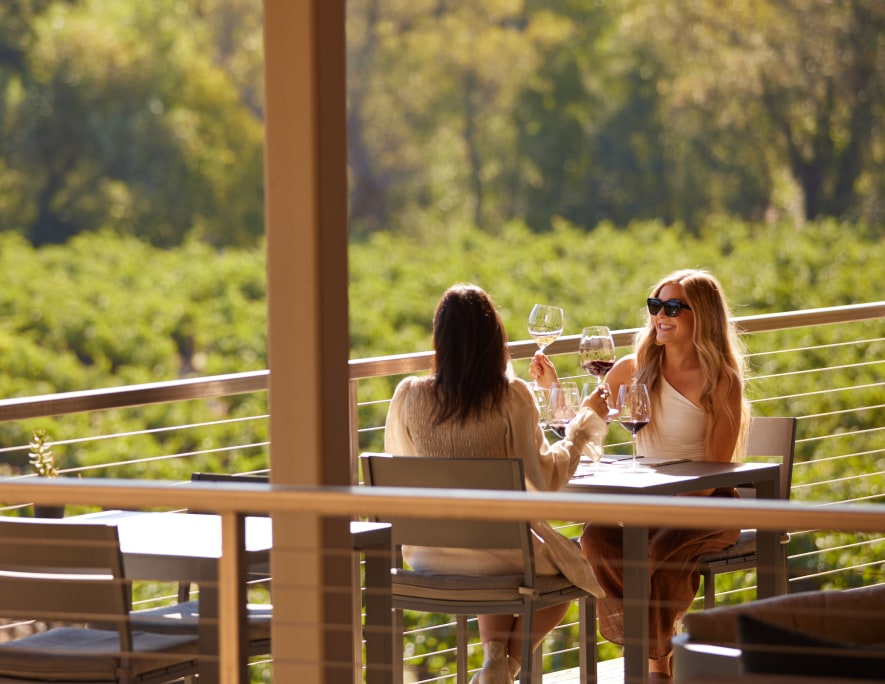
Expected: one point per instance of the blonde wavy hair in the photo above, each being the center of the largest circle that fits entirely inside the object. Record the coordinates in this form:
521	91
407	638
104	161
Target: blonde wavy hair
717	343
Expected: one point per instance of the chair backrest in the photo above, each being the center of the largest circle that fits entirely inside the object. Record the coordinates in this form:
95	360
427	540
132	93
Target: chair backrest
420	472
774	437
64	572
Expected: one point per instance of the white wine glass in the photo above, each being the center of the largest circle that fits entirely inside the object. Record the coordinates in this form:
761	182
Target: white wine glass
634	412
545	324
596	351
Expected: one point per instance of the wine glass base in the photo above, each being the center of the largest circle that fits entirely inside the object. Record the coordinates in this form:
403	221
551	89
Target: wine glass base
632	465
630	468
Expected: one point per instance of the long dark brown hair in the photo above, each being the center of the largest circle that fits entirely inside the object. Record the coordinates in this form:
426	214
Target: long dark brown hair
470	366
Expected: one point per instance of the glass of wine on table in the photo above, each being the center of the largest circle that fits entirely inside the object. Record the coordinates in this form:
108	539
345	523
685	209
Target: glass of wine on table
634	412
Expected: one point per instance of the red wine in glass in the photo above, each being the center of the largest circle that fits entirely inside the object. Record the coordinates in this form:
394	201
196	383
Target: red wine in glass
596	351
597	368
634	406
633	426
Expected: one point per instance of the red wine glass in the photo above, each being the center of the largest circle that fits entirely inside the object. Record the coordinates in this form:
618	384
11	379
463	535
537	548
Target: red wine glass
634	412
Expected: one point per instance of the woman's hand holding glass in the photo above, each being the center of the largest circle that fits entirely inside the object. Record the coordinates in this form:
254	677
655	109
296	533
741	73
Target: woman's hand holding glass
597	401
542	371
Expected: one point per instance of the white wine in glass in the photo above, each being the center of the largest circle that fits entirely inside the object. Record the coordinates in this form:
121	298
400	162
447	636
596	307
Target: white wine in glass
545	324
634	406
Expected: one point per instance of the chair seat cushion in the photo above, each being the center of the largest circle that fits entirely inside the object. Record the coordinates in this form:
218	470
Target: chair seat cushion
183	618
744	546
428	585
93	655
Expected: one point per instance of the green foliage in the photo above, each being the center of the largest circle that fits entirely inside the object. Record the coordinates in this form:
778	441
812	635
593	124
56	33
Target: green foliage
592	112
147	118
41	456
104	311
122	118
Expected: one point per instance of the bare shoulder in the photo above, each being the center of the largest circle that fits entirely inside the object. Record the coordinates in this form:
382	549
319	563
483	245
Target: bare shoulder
622	372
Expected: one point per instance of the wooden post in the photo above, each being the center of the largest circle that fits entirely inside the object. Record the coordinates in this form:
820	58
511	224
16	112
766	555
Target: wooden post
308	335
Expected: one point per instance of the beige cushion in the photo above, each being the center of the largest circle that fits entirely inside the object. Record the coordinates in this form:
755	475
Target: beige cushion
851	615
88	655
183	618
470	587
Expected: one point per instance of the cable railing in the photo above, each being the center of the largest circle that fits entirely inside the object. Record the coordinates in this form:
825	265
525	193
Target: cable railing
838	519
824	366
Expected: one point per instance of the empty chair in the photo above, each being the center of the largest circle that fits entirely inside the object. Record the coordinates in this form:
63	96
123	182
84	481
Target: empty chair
463	595
70	576
768	436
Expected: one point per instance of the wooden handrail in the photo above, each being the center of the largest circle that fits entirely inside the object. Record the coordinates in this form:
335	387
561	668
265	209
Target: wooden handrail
257	381
687	512
402	364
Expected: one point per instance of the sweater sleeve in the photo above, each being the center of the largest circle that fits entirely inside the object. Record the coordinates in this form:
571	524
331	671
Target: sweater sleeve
396	432
549	466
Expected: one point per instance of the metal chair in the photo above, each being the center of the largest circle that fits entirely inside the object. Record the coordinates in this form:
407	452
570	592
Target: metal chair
770	437
463	595
71	577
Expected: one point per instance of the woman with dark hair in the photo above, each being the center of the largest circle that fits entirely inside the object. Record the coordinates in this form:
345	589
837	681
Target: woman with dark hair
688	355
472	406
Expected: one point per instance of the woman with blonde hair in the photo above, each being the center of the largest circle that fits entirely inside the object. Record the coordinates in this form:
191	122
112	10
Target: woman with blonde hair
688	354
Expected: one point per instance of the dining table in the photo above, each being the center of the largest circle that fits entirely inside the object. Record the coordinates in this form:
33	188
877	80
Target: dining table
187	548
670	478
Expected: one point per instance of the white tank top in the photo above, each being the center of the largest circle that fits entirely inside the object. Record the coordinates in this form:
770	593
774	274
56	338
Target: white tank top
681	428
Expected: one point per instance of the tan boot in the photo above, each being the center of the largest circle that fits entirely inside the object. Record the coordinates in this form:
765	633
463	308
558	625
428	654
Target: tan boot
495	669
514	665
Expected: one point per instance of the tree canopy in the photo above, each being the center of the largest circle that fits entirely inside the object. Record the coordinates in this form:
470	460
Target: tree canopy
147	118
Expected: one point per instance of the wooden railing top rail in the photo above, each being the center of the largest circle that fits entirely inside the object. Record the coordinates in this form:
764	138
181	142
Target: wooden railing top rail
420	361
256	381
133	395
427	503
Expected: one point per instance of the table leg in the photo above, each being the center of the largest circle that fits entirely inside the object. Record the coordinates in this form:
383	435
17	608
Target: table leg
209	665
771	569
376	544
379	614
636	596
229	603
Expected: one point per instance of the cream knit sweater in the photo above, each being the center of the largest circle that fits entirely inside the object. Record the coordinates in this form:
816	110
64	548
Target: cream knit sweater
510	431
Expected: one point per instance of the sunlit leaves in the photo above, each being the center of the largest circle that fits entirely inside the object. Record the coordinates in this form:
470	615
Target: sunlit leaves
136	117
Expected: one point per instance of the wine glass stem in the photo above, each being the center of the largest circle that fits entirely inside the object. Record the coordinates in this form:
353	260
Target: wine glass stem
634	450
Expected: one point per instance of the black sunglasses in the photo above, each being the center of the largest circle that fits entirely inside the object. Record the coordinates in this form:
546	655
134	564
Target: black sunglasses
672	307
